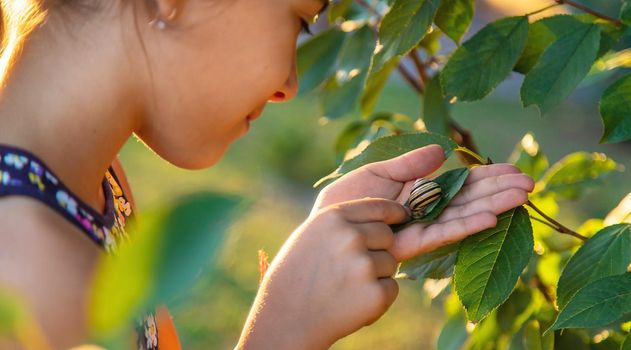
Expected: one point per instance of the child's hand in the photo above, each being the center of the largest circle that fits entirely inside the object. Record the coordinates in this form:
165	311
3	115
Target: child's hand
489	191
331	277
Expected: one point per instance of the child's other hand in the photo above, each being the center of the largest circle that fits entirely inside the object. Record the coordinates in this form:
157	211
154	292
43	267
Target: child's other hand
331	277
489	191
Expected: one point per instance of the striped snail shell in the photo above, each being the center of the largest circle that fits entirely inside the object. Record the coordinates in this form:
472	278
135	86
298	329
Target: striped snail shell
423	193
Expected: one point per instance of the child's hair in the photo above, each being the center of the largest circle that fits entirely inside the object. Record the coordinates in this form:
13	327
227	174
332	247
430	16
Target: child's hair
19	18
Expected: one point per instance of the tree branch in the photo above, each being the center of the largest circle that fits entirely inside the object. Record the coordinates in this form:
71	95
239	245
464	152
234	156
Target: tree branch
559	227
586	9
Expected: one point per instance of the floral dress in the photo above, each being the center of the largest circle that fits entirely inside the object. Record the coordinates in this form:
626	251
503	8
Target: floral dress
22	173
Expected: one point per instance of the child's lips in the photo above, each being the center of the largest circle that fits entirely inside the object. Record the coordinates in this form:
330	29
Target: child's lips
257	113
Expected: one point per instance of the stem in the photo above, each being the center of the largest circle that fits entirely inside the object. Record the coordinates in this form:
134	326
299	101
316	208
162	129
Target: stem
544	222
543	9
559	227
586	9
420	66
542	288
370	9
410	79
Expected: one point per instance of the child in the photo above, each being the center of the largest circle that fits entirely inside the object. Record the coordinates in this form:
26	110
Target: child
188	77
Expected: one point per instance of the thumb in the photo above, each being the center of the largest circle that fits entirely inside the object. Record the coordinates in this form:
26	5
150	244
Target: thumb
410	166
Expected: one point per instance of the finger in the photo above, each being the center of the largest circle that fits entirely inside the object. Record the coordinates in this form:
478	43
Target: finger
379	236
385	263
371	210
484	171
418	239
391	291
491	185
411	165
496	203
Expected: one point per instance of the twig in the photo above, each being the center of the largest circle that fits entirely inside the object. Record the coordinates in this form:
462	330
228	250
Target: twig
544	222
542	288
410	79
586	9
371	9
420	66
559	227
541	10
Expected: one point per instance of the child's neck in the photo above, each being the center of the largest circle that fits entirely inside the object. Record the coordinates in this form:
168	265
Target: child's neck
67	104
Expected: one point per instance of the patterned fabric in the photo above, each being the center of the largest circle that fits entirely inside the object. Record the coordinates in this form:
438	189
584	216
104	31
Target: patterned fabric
22	173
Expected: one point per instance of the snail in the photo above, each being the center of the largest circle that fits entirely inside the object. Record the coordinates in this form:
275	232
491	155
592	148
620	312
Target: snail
423	193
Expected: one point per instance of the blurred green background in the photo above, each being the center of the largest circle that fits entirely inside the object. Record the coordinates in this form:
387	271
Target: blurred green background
291	147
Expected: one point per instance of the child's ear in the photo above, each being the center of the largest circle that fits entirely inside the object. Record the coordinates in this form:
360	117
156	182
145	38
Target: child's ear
168	10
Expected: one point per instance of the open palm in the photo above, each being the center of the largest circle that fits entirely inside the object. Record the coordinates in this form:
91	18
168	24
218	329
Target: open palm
488	191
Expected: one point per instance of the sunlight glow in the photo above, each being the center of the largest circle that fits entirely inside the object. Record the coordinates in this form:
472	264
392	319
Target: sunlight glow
20	17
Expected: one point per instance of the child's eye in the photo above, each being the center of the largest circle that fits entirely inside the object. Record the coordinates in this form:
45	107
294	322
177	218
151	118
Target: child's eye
305	27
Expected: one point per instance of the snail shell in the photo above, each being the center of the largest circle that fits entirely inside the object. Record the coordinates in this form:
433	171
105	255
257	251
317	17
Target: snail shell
423	193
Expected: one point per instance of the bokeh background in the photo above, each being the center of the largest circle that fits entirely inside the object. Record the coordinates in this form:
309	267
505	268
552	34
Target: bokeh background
291	147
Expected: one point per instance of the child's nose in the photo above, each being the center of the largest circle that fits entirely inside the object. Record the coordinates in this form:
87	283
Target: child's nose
289	90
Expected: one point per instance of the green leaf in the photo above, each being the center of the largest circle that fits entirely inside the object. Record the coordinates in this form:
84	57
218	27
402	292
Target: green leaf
598	304
625	12
454	333
490	262
436	264
375	84
436	108
339	100
615	110
561	67
350	137
532	336
317	57
528	158
454	17
626	345
339	9
541	34
389	147
165	257
606	254
572	175
402	28
485	60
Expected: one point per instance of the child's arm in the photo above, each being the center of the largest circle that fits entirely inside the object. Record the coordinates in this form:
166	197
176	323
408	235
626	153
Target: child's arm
321	286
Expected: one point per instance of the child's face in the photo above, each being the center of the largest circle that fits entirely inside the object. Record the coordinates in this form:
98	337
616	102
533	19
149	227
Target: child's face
217	63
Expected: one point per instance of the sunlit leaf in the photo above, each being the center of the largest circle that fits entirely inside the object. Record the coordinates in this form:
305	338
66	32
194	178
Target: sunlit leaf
572	175
606	254
621	213
454	17
598	304
402	28
490	262
561	67
375	83
627	343
615	110
485	60
528	158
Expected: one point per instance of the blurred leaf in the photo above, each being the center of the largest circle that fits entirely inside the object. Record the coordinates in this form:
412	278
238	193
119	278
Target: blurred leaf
591	226
339	9
606	254
402	28
350	137
485	60
485	334
436	108
18	324
390	147
627	343
436	264
431	41
615	109
532	336
375	84
454	333
621	213
317	57
625	12
165	257
598	304
569	340
516	310
569	177
561	67
454	17
542	33
528	158
338	100
490	262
